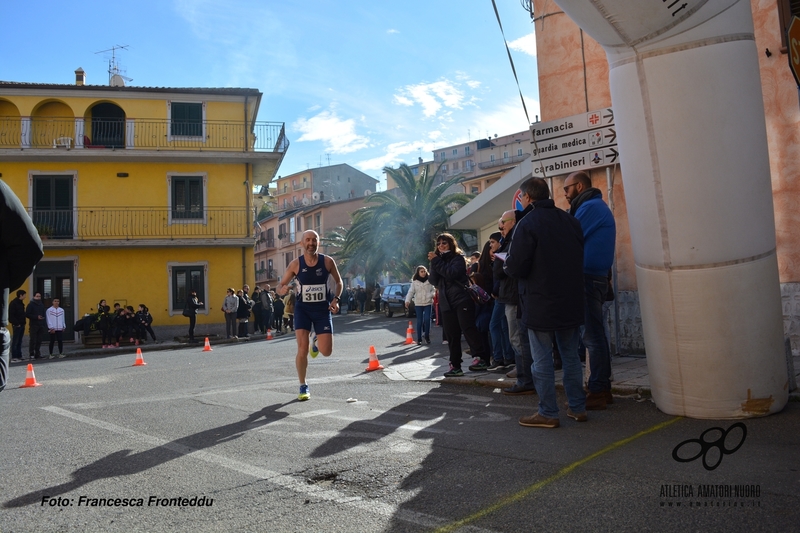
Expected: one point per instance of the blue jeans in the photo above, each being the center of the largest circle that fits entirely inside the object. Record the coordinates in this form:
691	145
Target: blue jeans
594	334
423	322
498	328
544	377
16	342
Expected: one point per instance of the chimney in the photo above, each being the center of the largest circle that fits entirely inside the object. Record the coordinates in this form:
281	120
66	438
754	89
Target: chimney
420	160
80	77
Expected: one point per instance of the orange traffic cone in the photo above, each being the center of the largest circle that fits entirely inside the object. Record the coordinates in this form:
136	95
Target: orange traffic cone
410	326
207	347
409	336
373	360
30	378
269	334
139	358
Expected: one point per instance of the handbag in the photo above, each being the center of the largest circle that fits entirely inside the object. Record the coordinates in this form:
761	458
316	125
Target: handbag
187	313
478	295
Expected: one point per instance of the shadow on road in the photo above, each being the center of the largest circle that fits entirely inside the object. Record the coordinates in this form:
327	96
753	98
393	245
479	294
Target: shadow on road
125	463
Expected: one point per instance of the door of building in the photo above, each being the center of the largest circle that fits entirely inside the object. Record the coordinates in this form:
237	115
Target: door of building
52	206
55	279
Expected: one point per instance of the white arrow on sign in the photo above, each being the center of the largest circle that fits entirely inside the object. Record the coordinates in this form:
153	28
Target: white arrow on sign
567	164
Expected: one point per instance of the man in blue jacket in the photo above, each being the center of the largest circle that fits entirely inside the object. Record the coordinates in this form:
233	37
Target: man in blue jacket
599	238
546	257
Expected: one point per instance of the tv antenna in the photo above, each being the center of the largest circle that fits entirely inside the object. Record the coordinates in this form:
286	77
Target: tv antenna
115	76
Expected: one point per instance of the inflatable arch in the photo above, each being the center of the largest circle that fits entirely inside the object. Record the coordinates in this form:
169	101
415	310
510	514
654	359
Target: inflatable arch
690	122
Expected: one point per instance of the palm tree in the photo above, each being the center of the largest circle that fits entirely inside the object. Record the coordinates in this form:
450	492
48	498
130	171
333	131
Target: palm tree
397	230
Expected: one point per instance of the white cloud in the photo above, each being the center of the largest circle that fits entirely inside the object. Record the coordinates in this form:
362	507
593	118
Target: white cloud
525	44
338	135
432	96
391	31
394	155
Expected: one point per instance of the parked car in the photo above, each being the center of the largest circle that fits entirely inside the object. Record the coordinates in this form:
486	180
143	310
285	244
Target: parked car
394	300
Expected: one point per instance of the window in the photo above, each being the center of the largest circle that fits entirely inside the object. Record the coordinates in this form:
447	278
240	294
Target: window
282	232
491	158
184	278
466	150
52	205
474	189
519	151
318	222
186	119
188	198
455	151
441	156
289	257
444	169
415	170
505	155
468	164
455	166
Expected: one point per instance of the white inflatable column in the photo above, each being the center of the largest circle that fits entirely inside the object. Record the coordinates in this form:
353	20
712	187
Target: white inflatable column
689	113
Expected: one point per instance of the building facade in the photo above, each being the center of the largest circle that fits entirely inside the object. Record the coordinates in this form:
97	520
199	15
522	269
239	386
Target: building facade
319	199
140	194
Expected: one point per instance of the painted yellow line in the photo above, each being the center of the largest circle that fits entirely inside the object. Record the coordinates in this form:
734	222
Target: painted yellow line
558	475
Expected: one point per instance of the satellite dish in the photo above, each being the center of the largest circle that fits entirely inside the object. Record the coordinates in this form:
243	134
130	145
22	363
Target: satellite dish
117	81
315	196
367	192
306	201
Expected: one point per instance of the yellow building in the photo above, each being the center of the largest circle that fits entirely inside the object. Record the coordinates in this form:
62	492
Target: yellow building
140	194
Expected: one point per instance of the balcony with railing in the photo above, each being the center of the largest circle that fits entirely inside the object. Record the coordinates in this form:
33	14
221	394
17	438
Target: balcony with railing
300	186
265	244
141	134
504	161
137	223
266	275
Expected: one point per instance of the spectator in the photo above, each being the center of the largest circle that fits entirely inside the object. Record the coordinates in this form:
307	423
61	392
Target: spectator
472	266
421	293
288	308
503	356
229	307
37	326
546	257
267	309
16	317
599	234
509	295
242	315
449	275
144	322
278	307
56	326
193	303
377	297
483	312
362	299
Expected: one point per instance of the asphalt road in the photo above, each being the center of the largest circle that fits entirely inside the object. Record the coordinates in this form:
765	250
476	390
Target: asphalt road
216	441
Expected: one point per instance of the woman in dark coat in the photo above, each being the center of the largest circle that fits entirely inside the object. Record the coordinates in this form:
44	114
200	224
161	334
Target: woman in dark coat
192	305
448	273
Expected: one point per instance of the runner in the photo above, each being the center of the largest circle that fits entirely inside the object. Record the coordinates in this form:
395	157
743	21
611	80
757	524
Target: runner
314	305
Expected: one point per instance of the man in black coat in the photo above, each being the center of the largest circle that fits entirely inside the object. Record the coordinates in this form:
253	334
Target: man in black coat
20	250
16	317
546	257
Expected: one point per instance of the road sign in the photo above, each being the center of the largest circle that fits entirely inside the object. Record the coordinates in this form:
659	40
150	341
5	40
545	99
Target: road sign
579	142
793	39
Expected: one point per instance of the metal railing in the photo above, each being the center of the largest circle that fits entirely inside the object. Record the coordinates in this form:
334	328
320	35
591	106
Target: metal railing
265	244
266	275
88	223
301	185
142	134
503	161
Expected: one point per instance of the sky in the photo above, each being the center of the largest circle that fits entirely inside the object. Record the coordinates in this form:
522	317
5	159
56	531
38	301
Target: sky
370	83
